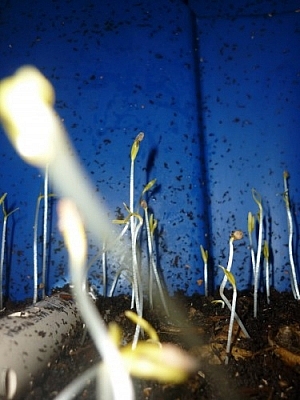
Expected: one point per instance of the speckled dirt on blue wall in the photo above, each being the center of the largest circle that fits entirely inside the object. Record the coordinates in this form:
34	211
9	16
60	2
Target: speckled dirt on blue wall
126	67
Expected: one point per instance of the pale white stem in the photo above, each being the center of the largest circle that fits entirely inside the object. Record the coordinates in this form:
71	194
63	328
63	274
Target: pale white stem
35	250
257	199
116	278
230	328
150	254
257	265
119	380
136	275
45	231
205	279
267	272
3	240
294	282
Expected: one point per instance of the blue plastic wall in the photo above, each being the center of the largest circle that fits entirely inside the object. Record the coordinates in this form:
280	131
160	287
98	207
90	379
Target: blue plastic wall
250	107
215	88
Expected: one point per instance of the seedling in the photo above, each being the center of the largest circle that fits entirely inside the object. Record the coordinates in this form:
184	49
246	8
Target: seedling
137	290
294	282
204	254
236	235
257	198
3	240
231	279
133	223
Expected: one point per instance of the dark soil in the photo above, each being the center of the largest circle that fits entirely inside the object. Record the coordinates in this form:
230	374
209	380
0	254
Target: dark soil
262	367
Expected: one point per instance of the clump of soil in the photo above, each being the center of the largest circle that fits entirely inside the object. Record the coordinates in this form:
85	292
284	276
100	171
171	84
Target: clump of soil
266	366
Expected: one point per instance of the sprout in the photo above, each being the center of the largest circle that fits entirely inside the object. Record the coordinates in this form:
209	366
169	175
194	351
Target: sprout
45	229
294	282
204	254
236	235
134	225
257	198
231	279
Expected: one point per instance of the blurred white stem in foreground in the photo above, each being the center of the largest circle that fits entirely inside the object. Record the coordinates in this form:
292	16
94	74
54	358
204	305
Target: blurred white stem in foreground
120	386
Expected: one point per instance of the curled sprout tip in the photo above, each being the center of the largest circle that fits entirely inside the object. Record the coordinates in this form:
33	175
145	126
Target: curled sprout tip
286	174
136	145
